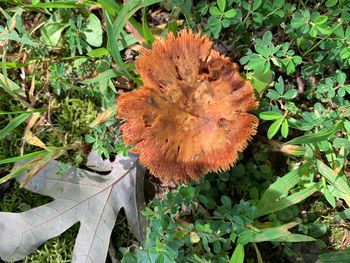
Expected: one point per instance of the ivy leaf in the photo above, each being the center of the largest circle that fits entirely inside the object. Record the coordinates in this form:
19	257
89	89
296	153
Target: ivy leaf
92	199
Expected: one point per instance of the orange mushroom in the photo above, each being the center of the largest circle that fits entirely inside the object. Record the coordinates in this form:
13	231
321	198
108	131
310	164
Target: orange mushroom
190	116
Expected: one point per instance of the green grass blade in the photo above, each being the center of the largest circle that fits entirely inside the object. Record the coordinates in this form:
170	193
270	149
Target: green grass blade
294	238
12	89
13	124
238	254
114	29
280	188
339	182
280	204
112	45
110	6
63	4
318	136
23	157
15	172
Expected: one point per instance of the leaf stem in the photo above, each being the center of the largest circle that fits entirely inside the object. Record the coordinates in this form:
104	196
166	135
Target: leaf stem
321	40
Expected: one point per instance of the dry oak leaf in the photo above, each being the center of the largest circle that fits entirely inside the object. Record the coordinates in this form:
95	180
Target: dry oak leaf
191	114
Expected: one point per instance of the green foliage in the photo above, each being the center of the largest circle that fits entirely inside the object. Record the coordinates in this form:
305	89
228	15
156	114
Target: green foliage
70	66
200	223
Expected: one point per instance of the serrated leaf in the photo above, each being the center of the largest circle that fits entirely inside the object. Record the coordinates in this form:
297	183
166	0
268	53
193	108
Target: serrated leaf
80	196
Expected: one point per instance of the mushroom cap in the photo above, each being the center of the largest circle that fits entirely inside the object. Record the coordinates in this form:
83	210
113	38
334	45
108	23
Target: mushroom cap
190	116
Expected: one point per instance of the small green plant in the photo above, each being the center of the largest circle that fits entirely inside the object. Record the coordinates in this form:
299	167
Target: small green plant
64	63
220	17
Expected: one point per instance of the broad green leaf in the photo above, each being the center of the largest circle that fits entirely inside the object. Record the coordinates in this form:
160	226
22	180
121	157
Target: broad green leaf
221	5
341	142
92	199
329	197
270	115
284	128
256	4
51	33
214	11
335	257
291	93
318	136
93	31
230	13
13	124
89	139
99	52
238	254
274	127
345	53
294	238
259	64
321	20
260	80
331	3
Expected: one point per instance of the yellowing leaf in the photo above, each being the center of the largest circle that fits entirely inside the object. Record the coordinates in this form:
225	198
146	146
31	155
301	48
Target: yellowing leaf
102	117
194	238
33	140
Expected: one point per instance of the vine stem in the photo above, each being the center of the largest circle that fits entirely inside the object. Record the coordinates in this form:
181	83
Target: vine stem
321	40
